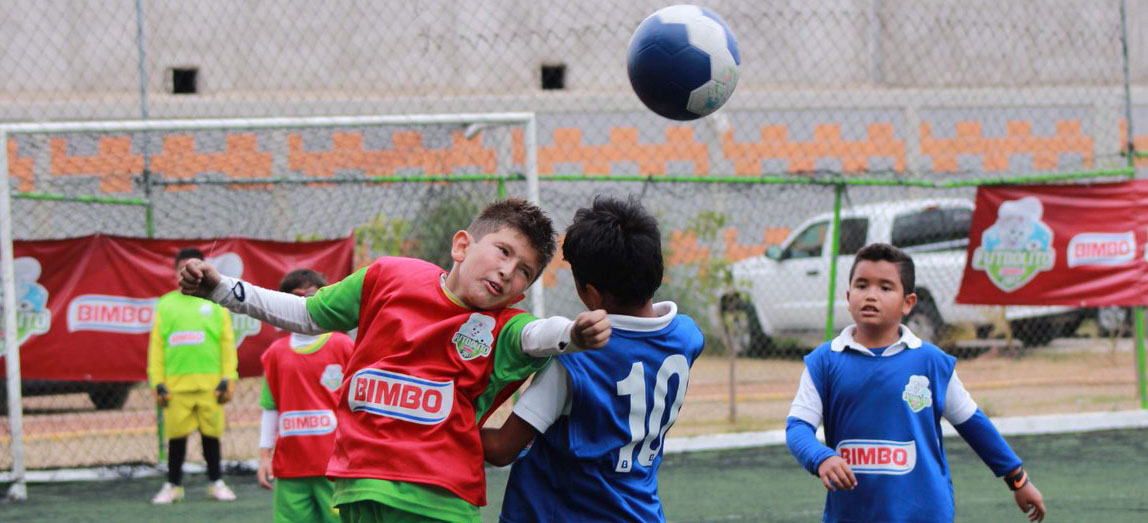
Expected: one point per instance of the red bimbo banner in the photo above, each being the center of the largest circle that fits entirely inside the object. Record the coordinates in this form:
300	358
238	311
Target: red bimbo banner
86	305
1076	245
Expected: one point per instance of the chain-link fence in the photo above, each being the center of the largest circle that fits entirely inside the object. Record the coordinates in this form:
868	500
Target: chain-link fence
892	110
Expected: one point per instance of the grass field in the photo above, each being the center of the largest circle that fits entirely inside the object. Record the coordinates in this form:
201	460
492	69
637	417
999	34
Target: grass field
1085	477
1071	375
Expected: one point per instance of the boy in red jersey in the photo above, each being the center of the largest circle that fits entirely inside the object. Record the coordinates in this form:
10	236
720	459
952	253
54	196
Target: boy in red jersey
436	353
297	435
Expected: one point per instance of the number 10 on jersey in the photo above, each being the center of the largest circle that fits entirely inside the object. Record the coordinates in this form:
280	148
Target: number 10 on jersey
634	386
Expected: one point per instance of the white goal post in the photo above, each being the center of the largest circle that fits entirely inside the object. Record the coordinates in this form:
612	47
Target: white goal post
473	123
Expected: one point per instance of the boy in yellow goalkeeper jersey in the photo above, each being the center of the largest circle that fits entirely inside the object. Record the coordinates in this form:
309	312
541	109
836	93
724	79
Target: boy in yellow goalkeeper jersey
192	365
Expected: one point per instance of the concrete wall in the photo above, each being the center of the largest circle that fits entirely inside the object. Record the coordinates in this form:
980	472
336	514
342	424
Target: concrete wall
264	54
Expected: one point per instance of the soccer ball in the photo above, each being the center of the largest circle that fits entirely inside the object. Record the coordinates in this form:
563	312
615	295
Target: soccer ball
683	62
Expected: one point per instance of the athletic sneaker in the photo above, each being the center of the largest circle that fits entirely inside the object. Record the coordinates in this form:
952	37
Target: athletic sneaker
219	491
169	494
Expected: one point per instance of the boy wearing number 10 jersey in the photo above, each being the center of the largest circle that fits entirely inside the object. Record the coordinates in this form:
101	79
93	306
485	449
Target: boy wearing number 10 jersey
598	419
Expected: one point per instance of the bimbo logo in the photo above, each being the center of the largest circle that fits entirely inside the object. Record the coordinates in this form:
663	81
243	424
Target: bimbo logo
874	456
306	422
178	338
400	396
1095	248
98	312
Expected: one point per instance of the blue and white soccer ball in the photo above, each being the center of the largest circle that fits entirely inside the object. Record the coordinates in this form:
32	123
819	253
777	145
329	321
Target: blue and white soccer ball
683	62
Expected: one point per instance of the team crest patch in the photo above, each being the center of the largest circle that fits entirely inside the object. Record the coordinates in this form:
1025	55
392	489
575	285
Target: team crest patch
917	393
332	377
475	338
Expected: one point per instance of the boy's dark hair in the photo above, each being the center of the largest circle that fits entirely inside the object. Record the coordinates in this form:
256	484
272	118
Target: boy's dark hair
889	253
522	216
187	253
301	278
615	246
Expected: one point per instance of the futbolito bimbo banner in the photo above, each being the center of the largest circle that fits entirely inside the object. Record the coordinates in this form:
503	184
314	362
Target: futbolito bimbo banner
86	305
1076	245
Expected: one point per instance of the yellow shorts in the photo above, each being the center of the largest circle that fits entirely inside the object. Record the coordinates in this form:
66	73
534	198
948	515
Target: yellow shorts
189	411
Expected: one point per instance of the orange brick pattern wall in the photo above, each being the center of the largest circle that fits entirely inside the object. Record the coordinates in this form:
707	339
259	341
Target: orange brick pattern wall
115	162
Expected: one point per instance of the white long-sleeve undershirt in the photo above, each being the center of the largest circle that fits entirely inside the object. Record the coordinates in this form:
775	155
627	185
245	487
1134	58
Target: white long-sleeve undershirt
540	338
268	428
284	310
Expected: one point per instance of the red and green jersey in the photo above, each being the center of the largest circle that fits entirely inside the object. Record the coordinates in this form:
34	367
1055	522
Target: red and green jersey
425	373
300	382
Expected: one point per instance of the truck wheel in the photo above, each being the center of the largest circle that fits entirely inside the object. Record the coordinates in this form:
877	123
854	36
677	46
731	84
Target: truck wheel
744	329
925	321
1034	332
110	397
1114	320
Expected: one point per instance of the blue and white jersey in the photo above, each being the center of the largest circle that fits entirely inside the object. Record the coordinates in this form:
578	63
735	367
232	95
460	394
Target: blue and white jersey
882	415
603	415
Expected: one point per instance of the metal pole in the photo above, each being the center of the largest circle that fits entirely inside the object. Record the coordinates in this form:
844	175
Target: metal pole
281	122
19	489
149	212
876	76
834	246
1141	378
732	360
1141	367
1127	87
530	142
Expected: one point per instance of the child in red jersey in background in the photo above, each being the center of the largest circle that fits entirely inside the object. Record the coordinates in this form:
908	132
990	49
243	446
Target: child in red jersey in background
436	353
297	434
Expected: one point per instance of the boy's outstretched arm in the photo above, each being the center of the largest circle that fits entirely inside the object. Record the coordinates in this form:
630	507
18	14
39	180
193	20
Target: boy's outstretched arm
559	335
984	438
591	329
281	309
500	446
198	278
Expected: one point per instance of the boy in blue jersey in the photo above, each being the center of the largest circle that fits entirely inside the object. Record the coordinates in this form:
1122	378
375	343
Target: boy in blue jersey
598	419
881	393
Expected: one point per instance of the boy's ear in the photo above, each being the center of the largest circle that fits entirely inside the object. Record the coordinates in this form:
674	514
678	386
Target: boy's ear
590	295
909	303
458	246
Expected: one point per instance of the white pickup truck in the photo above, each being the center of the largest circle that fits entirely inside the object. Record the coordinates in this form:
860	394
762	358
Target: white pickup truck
786	291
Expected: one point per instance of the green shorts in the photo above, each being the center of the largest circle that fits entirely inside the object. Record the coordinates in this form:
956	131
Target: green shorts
305	499
375	512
